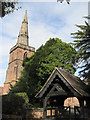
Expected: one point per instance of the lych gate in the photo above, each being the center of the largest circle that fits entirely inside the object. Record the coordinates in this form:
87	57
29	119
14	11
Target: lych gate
60	86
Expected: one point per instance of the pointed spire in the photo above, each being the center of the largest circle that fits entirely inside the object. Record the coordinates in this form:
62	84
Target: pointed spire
23	34
25	17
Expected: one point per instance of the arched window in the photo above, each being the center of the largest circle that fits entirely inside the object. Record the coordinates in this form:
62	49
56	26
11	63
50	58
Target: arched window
25	55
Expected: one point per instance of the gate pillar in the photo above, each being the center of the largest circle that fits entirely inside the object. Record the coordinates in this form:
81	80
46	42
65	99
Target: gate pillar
45	107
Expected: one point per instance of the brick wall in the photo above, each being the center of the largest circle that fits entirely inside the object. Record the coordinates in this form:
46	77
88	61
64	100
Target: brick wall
15	65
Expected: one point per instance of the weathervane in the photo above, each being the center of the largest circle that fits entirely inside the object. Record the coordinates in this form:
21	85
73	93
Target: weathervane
68	1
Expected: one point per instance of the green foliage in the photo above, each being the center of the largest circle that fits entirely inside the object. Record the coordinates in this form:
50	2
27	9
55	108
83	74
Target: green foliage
13	103
68	1
24	96
82	43
38	68
7	7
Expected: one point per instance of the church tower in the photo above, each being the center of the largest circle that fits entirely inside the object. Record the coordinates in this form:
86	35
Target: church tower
17	53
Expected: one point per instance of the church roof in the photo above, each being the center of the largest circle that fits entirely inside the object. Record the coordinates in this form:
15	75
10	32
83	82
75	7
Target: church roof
77	86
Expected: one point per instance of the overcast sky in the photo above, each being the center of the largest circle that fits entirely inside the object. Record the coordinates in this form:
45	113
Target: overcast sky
45	20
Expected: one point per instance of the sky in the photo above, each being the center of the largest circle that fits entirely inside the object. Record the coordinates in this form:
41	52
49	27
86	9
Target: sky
45	20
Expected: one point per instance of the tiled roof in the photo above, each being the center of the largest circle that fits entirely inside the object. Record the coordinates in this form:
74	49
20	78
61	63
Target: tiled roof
70	80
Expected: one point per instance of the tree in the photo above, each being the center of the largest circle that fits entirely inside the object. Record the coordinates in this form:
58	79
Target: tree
68	1
13	103
38	68
7	7
82	44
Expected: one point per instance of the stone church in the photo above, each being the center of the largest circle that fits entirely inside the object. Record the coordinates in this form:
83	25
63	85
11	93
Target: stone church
17	53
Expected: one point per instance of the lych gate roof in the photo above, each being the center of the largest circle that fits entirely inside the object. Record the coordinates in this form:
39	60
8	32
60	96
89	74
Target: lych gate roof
76	86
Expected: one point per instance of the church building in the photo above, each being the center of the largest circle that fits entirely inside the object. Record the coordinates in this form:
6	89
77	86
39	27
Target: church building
17	53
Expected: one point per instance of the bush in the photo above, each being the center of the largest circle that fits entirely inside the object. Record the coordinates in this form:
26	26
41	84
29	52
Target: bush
13	103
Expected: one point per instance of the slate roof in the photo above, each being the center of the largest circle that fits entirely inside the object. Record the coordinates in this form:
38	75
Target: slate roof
72	81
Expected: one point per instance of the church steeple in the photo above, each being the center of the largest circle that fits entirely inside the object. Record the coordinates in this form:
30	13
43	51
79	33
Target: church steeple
23	34
18	52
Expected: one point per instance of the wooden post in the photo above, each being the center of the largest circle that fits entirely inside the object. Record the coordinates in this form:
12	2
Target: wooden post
74	111
56	112
45	108
51	112
69	112
82	108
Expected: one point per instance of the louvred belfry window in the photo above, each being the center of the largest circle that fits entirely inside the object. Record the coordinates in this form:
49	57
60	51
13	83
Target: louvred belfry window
25	55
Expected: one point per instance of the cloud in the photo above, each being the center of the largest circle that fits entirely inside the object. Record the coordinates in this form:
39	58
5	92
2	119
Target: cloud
58	22
45	20
11	25
2	76
39	35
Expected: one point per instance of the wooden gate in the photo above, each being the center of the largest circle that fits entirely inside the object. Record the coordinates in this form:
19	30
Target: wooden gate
67	113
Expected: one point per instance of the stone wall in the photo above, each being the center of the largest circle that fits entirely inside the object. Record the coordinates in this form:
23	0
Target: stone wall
11	117
34	113
37	113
